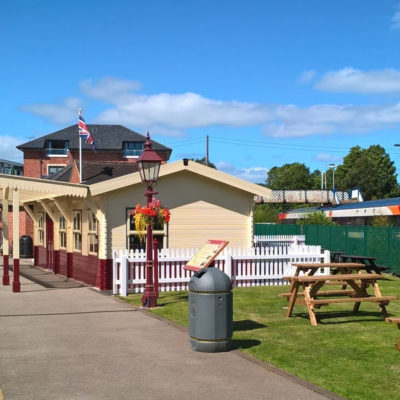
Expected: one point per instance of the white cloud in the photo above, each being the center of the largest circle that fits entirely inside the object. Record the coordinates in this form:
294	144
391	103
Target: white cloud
396	19
172	114
61	114
187	110
307	76
8	150
252	174
293	121
109	90
328	158
364	82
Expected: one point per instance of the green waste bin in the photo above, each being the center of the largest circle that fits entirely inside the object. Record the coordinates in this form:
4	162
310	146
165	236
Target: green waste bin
25	247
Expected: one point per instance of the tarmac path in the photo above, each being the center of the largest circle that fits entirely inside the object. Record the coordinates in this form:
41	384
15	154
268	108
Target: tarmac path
62	340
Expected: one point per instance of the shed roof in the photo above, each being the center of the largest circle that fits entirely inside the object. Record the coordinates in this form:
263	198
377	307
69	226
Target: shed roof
179	166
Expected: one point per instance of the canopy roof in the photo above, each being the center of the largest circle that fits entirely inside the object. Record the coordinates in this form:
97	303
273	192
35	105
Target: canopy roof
32	189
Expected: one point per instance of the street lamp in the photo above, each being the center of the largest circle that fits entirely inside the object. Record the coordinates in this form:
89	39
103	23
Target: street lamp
149	166
332	166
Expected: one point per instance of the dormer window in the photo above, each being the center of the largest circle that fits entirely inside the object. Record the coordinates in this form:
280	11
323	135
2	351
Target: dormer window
132	149
56	148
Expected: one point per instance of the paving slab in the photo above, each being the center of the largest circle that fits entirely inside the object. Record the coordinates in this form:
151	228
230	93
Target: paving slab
77	343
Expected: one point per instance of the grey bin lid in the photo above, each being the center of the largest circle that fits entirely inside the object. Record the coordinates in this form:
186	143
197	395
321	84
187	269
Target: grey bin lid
210	280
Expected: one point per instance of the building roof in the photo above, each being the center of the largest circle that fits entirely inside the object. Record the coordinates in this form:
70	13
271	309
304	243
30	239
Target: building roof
64	175
179	166
13	163
106	137
95	172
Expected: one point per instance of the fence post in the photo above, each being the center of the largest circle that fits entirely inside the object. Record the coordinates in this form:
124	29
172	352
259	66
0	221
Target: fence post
228	263
115	272
124	275
155	265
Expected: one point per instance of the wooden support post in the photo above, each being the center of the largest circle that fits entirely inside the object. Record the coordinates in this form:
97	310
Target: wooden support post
292	299
16	282
6	237
310	306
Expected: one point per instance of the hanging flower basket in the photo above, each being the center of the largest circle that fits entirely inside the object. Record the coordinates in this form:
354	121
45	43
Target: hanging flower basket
150	215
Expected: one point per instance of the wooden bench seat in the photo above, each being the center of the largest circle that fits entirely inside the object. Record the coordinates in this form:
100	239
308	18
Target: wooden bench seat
371	299
381	268
339	277
395	320
339	292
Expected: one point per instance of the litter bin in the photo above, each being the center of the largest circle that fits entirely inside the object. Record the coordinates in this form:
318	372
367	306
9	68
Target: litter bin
210	311
25	247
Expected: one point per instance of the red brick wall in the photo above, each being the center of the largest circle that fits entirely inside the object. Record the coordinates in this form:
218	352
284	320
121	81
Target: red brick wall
86	269
41	257
62	262
35	162
75	177
25	225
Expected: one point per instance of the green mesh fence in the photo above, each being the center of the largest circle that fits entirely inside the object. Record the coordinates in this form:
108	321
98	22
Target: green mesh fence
394	250
338	238
377	243
383	243
355	240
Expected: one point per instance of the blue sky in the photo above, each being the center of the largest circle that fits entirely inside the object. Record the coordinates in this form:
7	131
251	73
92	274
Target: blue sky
270	82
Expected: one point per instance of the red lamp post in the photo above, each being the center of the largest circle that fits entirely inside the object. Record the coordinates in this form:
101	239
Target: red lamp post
149	166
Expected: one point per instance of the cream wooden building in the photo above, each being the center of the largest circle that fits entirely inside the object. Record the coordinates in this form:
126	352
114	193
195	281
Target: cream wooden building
78	226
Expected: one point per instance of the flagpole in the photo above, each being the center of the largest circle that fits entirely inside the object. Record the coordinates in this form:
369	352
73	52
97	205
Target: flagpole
80	152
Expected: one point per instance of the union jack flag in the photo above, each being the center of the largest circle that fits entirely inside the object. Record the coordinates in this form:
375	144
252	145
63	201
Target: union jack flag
84	133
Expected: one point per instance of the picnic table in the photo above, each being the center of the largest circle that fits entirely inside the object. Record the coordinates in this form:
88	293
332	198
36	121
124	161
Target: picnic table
348	274
335	255
369	262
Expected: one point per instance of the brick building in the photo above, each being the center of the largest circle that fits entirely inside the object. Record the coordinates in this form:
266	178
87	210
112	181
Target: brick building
56	156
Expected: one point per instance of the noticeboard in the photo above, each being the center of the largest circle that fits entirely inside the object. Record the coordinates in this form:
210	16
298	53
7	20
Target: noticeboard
206	255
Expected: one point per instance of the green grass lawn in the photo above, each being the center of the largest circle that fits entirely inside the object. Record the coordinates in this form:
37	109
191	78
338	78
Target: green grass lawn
350	354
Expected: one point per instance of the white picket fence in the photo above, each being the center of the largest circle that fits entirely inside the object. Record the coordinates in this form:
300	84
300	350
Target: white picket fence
278	240
246	267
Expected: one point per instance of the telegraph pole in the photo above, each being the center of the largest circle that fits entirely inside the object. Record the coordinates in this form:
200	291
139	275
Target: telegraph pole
207	159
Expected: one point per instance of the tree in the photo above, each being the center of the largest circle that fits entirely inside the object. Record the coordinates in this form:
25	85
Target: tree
290	176
381	220
203	161
371	170
266	213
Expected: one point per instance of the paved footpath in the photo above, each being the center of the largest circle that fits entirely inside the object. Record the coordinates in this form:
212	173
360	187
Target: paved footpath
61	340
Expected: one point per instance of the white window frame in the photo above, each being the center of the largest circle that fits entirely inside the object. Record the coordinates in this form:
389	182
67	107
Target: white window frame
54	165
92	242
130	232
62	228
77	230
41	228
